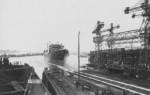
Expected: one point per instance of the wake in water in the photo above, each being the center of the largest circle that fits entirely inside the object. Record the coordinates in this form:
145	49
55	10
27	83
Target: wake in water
40	62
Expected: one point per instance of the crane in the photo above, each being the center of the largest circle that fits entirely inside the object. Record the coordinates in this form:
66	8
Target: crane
110	29
142	6
98	28
110	43
96	31
98	39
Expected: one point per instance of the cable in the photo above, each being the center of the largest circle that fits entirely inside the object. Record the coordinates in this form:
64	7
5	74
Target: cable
141	24
137	4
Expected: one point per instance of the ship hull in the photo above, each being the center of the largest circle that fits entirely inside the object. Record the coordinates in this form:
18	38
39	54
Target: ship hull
57	55
14	75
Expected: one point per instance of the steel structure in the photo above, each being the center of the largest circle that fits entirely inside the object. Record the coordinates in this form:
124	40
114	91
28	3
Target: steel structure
99	38
142	6
133	36
132	61
126	37
98	28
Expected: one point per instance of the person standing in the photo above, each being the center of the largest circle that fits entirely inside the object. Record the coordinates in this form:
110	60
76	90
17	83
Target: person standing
6	61
97	92
1	61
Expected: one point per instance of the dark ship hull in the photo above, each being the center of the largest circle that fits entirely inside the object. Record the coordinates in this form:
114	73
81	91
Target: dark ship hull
57	55
14	79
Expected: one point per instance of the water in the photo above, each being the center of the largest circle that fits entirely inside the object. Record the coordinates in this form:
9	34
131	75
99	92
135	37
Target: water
39	62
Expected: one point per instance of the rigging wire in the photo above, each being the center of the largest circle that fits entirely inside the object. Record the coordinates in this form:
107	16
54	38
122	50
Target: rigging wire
137	4
141	24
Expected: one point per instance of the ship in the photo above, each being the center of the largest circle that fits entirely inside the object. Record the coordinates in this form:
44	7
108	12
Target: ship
56	52
19	79
14	77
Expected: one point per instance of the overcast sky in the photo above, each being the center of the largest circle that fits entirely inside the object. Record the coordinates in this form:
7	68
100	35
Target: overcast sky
28	25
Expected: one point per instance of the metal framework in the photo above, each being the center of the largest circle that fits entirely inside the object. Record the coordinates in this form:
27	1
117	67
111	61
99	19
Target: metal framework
126	37
123	59
142	6
140	36
98	28
100	38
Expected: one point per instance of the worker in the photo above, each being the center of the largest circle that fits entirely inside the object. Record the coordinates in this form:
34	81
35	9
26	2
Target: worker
97	92
76	83
103	92
82	87
6	61
1	61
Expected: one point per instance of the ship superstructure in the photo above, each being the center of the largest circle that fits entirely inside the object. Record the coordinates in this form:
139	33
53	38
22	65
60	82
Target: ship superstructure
56	52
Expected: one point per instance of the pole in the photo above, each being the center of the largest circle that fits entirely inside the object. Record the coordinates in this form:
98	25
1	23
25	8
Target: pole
145	41
79	55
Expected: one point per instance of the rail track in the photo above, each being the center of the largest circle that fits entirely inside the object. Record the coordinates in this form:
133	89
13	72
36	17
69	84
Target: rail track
117	84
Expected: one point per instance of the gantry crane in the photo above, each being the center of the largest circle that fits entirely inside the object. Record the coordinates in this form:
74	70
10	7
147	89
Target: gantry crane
96	31
99	37
142	6
133	57
110	42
